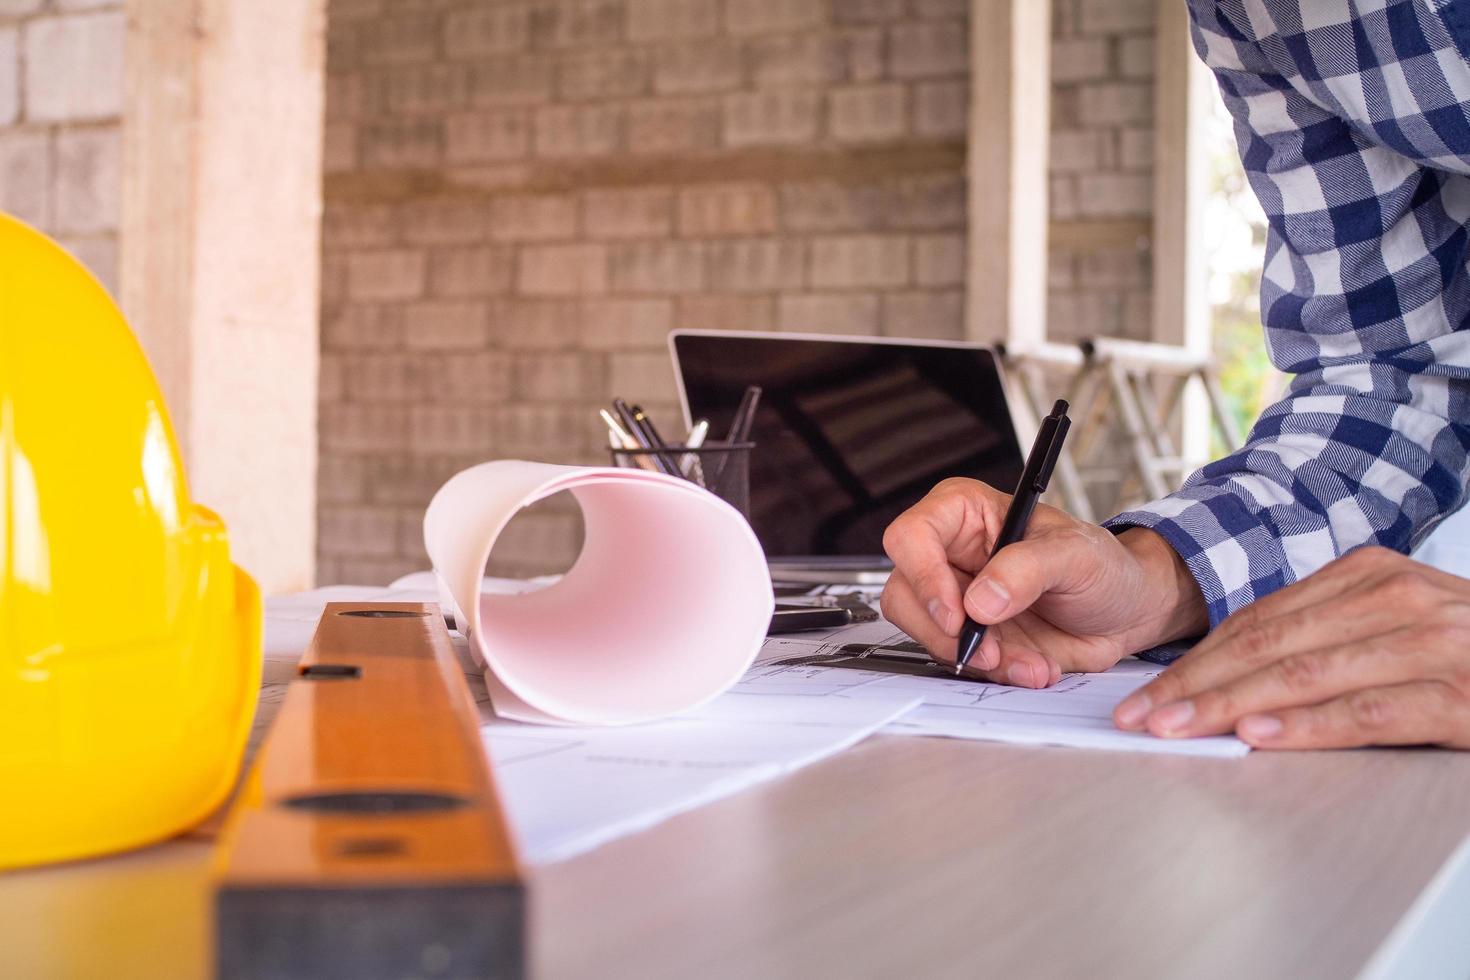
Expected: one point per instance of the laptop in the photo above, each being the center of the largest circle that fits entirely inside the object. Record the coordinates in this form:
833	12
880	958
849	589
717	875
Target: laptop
849	433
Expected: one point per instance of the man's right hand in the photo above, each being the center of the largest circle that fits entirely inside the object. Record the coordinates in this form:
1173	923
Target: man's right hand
1071	596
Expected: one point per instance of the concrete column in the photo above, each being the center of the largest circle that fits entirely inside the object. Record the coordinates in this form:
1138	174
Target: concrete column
1181	304
1010	123
219	255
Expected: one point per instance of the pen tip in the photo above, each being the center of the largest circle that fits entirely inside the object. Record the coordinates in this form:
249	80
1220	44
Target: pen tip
957	669
1060	408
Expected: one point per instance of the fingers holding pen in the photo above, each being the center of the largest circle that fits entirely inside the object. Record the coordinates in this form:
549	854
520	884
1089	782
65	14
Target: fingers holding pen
1001	659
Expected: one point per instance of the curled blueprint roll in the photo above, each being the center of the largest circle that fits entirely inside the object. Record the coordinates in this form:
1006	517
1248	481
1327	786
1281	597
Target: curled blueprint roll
665	607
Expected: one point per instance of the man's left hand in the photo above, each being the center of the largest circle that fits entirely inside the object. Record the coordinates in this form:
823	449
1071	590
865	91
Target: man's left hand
1373	649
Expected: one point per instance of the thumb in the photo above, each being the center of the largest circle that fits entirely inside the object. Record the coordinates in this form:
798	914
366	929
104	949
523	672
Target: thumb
1016	576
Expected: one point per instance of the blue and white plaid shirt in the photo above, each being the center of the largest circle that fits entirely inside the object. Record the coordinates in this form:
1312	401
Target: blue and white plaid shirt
1353	120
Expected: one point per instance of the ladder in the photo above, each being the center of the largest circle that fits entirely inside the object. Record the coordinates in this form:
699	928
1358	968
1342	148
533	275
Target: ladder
1128	389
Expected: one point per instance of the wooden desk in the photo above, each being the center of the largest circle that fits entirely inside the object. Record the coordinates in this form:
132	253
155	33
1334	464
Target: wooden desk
1064	863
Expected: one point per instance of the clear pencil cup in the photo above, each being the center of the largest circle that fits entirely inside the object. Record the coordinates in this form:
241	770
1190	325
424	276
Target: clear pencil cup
721	468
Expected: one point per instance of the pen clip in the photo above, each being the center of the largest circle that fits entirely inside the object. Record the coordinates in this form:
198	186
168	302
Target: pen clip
1053	451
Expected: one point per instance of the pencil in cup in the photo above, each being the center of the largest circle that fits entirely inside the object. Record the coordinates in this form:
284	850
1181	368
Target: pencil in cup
722	468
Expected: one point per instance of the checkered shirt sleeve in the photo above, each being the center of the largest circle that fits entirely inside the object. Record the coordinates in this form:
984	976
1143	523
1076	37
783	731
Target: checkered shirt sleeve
1353	121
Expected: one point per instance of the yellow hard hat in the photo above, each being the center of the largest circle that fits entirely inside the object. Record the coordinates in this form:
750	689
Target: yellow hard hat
129	644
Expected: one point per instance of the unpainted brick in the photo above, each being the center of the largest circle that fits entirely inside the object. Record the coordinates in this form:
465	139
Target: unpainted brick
435	429
1123	268
397	478
576	23
563	270
1062	198
1076	151
553	433
341	479
797	59
378	378
658	20
414	142
1116	16
867	113
716	65
339	147
642	377
533	217
472	270
536	544
363	428
361	326
638	212
559	377
25	176
942	109
860	261
385	274
1136	148
867	11
477	378
348	224
74	67
9	75
939	260
487	135
526	80
942	9
487	30
418	89
626	324
357	530
1115	103
1080	59
863	53
744	208
594	75
830	205
927	314
929	49
669	126
1114	195
720	312
443	220
446	325
578	130
398	39
840	313
772	16
927	202
536	324
1061	268
756	264
772	117
657	267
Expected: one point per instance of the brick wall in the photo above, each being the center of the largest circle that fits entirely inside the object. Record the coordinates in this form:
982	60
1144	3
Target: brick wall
60	132
1101	169
522	199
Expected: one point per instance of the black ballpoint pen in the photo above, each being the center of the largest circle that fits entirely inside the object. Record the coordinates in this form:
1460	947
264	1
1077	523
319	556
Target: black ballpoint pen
1034	478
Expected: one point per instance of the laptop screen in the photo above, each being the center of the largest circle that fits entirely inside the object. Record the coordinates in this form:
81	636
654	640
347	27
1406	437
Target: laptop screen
849	433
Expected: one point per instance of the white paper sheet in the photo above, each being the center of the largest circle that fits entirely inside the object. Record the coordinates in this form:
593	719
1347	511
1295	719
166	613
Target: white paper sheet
664	609
1076	712
569	790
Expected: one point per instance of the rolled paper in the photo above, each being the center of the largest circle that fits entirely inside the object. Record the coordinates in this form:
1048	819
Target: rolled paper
665	607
